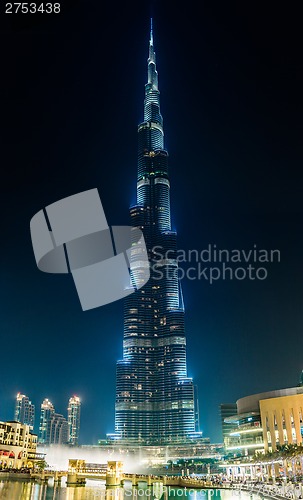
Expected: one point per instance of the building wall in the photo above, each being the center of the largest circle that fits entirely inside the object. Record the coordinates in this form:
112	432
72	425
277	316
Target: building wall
251	403
58	430
226	410
282	421
245	436
16	443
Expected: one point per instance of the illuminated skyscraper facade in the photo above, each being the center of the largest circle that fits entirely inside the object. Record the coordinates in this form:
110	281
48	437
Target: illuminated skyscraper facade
53	428
73	418
24	410
46	414
155	401
58	429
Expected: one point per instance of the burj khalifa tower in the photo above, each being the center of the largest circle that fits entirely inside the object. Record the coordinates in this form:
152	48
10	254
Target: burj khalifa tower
156	401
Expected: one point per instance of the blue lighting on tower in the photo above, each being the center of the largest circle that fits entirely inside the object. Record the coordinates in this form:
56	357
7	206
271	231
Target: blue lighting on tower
156	402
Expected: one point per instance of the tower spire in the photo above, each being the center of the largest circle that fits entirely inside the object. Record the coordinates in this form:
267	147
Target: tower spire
152	72
151	40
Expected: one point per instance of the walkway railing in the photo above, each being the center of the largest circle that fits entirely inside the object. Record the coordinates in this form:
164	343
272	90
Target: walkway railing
276	490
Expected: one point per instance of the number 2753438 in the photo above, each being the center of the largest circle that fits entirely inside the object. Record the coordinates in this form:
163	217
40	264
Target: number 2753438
32	8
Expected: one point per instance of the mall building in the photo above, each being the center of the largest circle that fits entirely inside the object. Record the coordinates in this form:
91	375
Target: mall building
265	421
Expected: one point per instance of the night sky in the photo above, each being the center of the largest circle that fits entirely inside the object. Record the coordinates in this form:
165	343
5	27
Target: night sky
71	93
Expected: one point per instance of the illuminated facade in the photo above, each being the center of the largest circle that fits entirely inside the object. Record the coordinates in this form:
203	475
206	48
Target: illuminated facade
24	411
46	415
226	410
17	446
73	418
282	421
155	399
54	428
245	435
58	429
264	421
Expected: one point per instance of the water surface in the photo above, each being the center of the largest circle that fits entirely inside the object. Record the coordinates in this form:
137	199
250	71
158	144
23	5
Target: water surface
94	490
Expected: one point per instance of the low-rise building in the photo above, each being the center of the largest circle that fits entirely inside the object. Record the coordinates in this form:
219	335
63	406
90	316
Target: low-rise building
17	445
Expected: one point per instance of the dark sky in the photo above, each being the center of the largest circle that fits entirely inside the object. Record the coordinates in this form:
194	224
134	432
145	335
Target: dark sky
71	94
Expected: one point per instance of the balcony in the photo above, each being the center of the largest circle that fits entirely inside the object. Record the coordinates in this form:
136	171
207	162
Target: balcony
246	429
35	456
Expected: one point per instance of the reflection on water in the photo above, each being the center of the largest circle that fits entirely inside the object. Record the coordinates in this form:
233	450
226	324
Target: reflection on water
95	490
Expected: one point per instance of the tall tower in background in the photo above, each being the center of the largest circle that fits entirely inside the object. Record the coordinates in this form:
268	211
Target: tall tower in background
155	399
58	429
46	415
53	428
24	411
73	418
